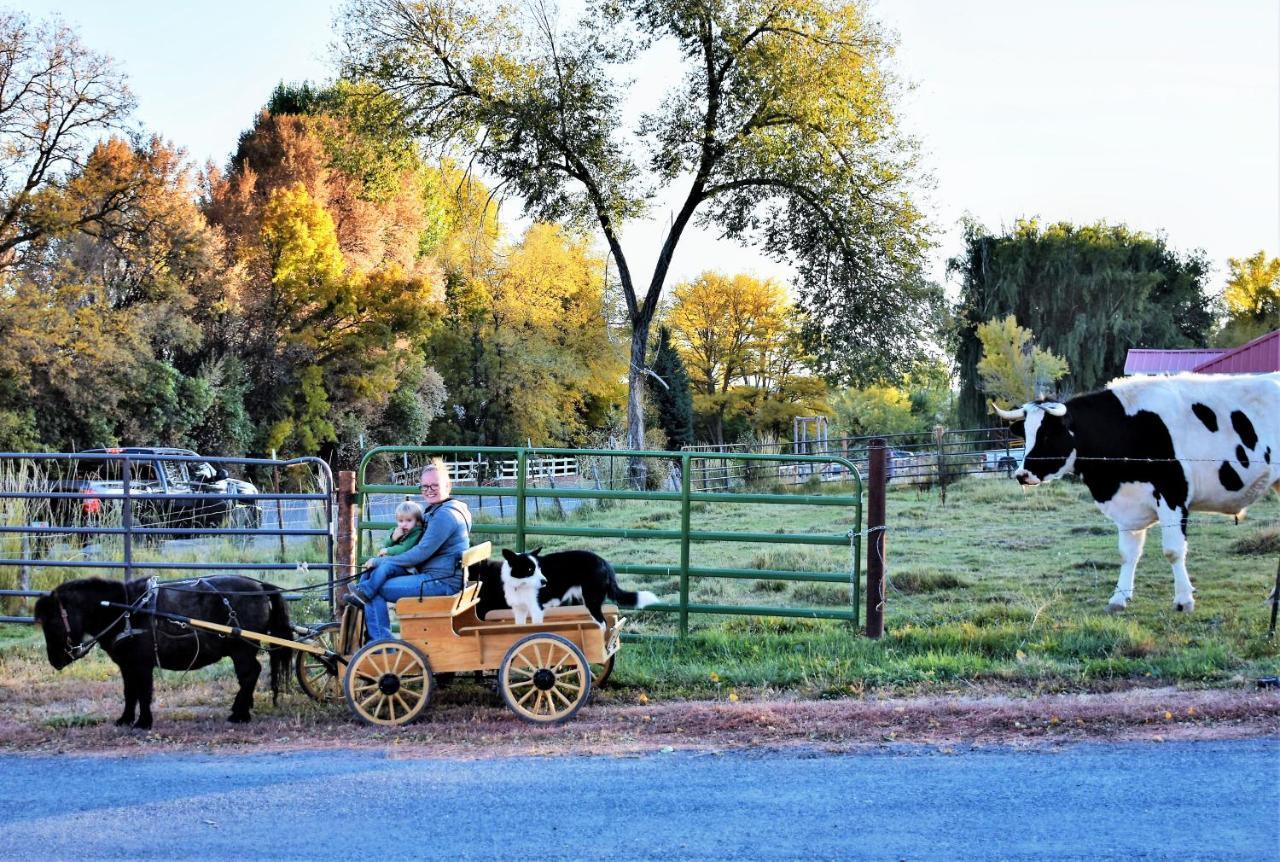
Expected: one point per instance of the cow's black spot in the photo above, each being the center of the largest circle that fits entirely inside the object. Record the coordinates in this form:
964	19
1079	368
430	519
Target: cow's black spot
1229	478
1206	415
1244	428
1266	456
1242	457
1115	448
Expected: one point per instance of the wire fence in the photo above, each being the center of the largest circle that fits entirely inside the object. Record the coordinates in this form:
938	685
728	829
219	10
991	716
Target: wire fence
925	459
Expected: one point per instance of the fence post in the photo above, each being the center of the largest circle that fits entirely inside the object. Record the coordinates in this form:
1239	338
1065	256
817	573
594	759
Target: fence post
345	552
275	474
522	468
126	515
1275	603
939	434
877	479
684	544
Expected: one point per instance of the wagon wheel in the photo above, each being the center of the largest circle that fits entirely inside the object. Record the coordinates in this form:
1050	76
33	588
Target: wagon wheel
388	683
320	681
600	672
544	679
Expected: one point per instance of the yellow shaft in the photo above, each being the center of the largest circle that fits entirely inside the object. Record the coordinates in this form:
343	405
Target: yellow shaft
266	639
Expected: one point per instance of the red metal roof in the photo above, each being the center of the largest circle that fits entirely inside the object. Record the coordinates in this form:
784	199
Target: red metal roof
1259	356
1144	361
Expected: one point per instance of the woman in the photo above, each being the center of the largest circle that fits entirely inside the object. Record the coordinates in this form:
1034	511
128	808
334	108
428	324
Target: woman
430	568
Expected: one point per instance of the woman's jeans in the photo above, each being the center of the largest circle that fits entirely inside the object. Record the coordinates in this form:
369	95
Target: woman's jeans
387	582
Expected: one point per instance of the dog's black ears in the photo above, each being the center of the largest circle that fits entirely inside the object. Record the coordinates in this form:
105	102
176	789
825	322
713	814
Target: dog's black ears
509	555
536	551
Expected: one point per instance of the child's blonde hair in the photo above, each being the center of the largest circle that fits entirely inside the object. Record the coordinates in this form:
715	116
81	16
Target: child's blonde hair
408	507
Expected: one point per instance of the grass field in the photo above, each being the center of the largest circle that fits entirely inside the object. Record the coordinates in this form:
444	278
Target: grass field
997	589
999	586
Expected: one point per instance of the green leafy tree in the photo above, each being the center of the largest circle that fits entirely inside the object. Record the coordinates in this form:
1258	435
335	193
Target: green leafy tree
875	409
672	398
1090	293
783	126
1252	299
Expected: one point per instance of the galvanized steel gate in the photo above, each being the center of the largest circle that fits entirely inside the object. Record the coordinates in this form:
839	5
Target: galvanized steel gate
46	497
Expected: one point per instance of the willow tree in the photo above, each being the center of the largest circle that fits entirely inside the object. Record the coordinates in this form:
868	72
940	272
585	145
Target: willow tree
781	134
1088	292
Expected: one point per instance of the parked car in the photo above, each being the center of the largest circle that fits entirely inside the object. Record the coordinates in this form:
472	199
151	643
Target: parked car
901	463
157	484
1004	460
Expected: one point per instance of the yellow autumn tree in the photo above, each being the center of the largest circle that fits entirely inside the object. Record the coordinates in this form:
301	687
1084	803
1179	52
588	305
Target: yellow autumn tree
1013	370
1252	298
720	323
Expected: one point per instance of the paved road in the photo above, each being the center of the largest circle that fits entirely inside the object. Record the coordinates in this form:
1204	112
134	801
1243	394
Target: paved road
1187	801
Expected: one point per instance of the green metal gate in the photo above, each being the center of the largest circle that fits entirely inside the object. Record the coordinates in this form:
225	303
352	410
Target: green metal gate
686	534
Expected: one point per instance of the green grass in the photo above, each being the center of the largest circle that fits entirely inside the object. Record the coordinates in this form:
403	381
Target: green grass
997	587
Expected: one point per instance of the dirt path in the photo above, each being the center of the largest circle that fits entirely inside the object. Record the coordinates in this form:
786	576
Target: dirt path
465	722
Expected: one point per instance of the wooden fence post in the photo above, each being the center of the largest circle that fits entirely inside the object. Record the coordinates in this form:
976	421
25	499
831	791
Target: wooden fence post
345	552
877	480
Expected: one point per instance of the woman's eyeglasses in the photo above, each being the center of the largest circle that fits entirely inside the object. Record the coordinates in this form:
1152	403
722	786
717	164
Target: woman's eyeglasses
431	489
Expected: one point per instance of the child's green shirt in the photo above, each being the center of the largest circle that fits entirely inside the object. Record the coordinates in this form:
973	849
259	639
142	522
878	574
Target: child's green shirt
409	541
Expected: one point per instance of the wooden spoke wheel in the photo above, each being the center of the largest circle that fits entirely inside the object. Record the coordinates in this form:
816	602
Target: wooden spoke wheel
388	683
600	672
544	679
320	681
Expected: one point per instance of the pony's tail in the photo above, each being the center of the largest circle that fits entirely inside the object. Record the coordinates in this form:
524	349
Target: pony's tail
278	625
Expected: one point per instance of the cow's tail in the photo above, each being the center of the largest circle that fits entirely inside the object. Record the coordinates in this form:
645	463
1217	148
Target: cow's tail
626	597
278	625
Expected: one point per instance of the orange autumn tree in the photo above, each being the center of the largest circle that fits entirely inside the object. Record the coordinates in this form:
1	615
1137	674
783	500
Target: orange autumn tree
337	283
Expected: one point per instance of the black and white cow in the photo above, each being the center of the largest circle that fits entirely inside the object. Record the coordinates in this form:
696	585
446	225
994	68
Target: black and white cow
1152	449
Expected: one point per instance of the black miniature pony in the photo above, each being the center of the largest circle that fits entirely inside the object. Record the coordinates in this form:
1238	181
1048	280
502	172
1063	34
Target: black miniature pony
73	614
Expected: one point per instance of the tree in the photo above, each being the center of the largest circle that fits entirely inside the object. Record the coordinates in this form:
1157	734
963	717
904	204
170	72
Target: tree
875	409
100	317
783	125
1012	369
334	279
55	96
1252	299
720	323
523	345
671	397
1090	293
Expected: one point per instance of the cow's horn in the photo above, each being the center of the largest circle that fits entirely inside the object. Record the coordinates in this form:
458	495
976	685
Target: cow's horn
1009	415
1055	409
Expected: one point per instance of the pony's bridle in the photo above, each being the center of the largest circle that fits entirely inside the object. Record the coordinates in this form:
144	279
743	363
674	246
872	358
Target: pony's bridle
74	651
78	651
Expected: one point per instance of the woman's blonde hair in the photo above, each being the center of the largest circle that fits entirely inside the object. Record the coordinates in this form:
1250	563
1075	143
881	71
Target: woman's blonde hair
408	507
441	470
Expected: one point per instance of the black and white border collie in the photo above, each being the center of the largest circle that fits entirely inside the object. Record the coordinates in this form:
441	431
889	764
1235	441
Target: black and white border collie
529	583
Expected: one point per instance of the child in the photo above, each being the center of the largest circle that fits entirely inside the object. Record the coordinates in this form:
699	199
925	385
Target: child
408	531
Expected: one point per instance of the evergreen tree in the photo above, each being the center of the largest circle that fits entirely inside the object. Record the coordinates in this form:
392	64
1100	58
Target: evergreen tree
674	402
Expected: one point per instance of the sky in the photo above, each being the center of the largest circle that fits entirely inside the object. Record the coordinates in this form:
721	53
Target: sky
1160	114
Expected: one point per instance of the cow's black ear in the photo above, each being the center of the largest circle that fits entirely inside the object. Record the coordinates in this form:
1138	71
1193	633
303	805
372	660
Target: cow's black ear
508	555
536	551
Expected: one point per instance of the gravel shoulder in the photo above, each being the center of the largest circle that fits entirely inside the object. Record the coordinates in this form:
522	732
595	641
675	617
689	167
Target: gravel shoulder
466	723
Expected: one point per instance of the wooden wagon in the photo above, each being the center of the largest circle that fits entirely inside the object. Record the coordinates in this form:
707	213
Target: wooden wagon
545	671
